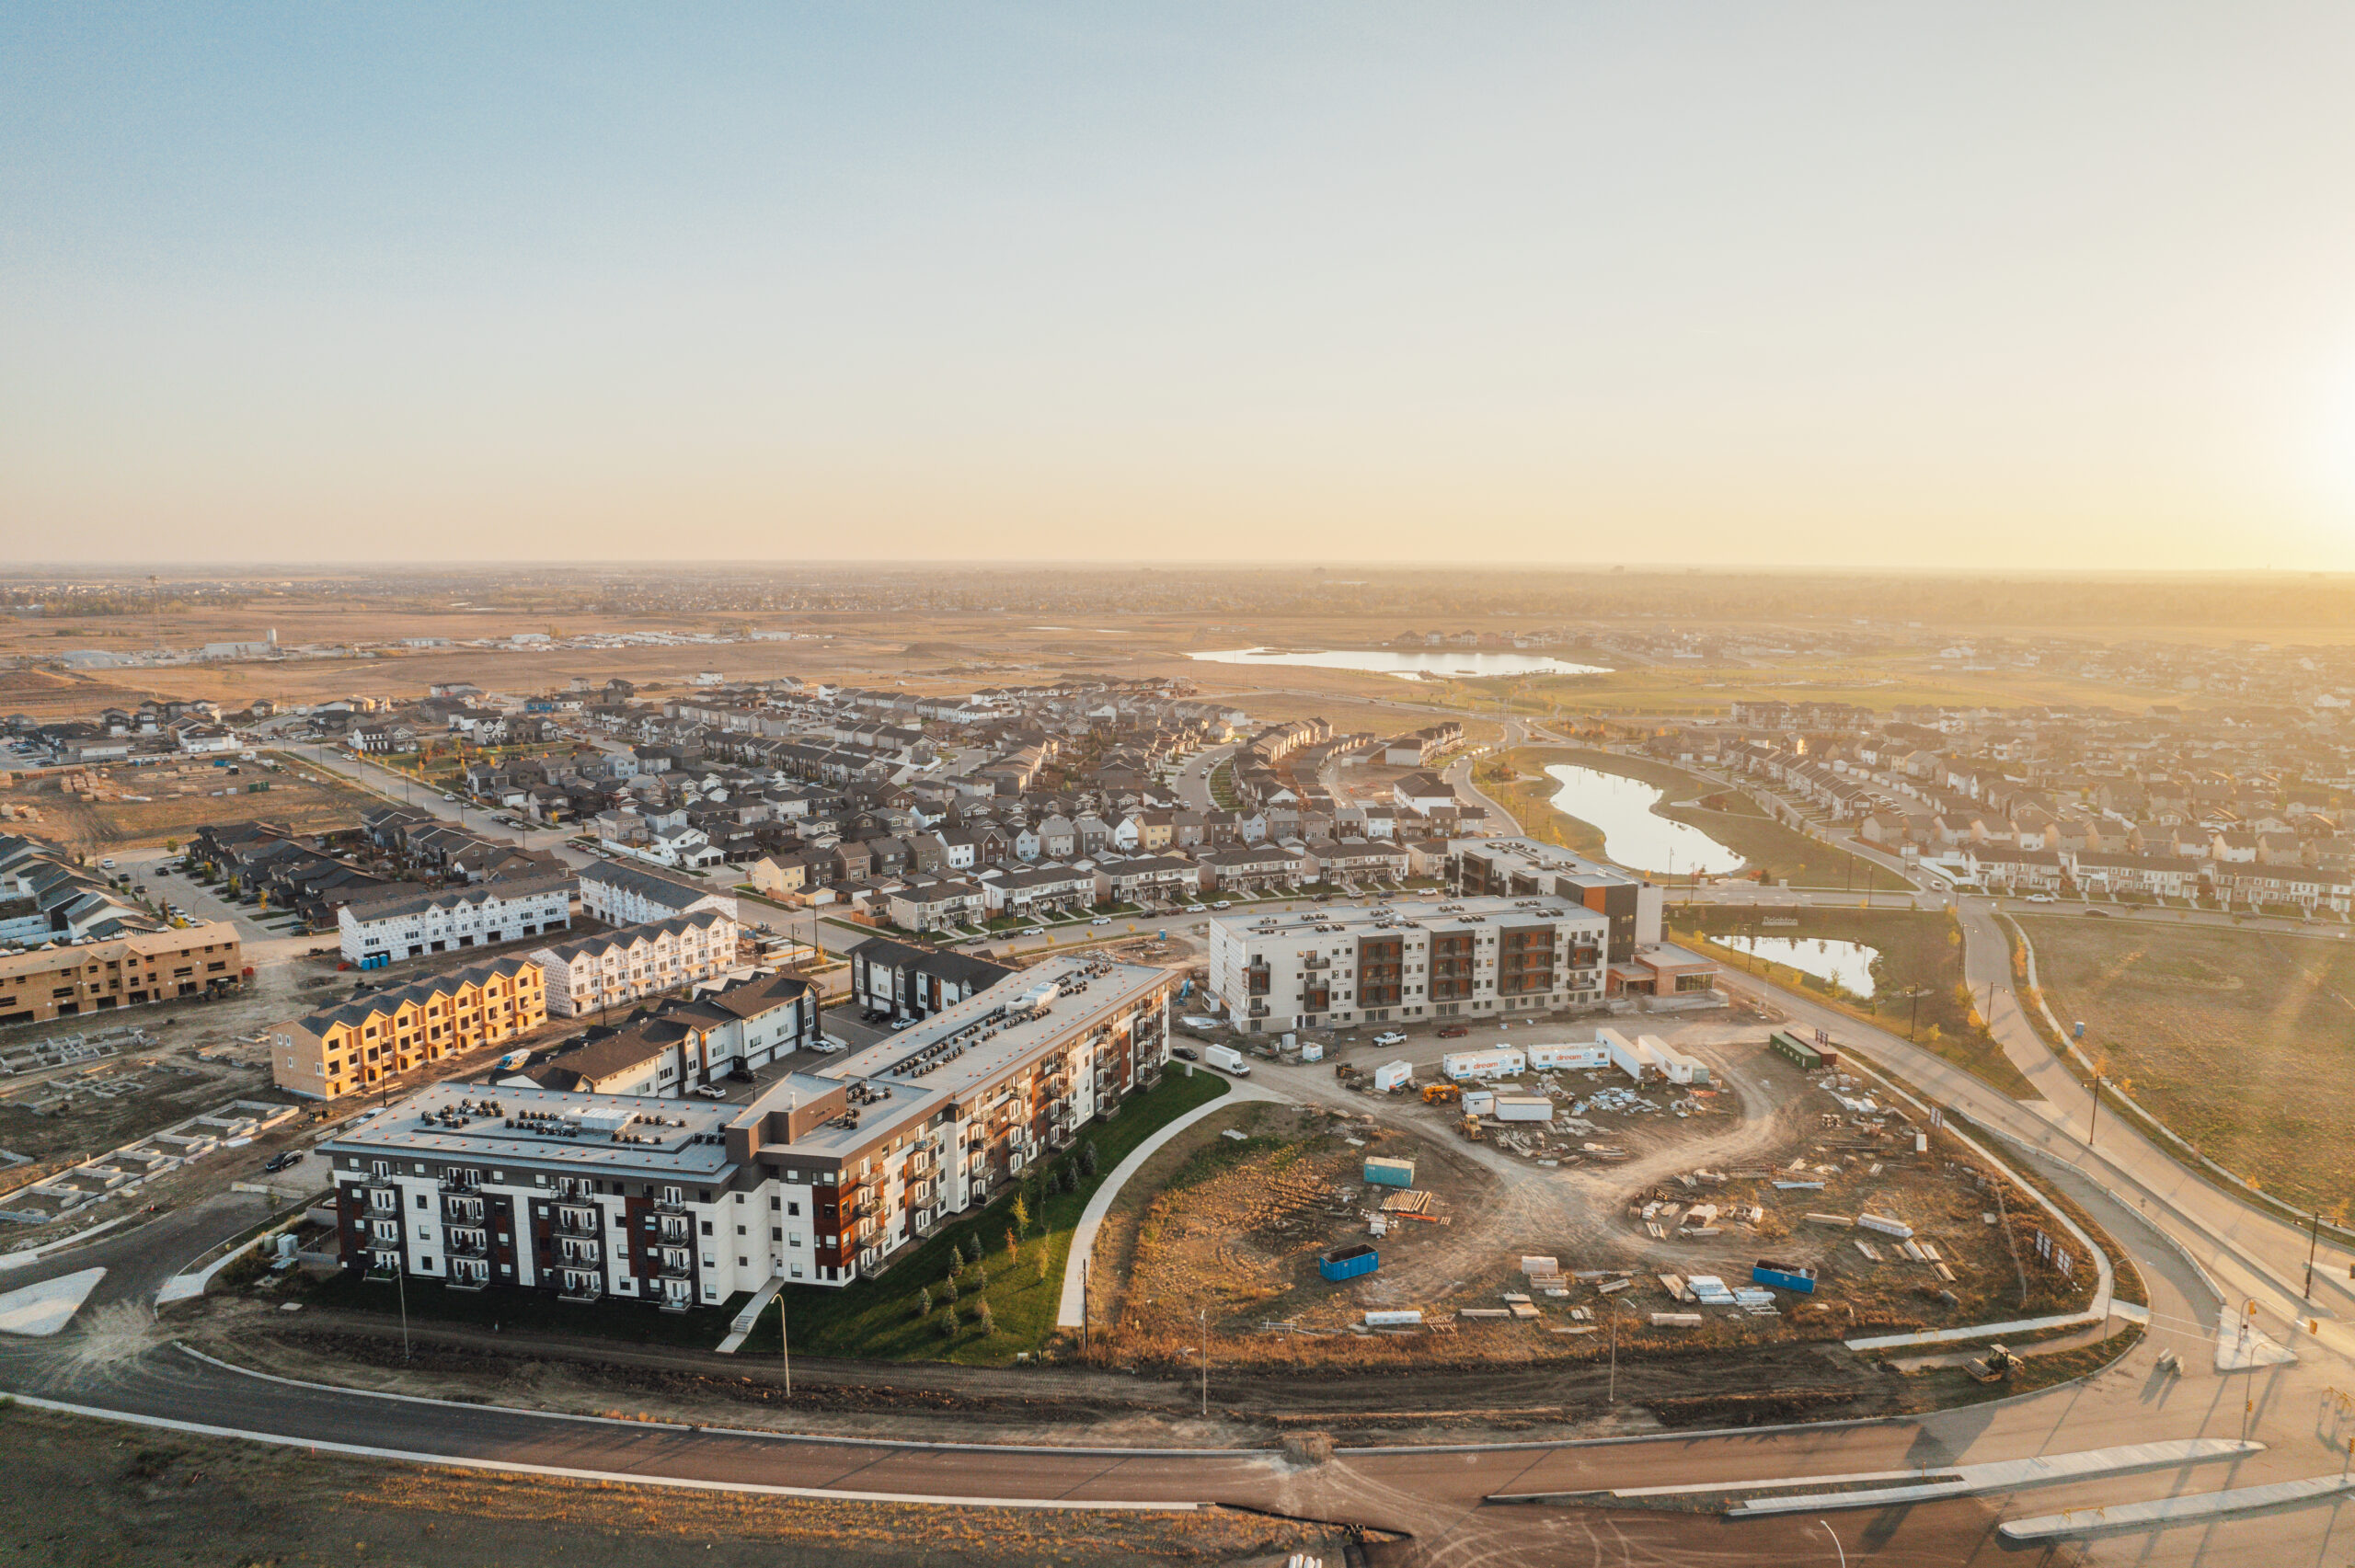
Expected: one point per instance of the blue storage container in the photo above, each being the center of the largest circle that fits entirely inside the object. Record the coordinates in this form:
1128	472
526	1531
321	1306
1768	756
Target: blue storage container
1348	1262
1384	1172
1784	1276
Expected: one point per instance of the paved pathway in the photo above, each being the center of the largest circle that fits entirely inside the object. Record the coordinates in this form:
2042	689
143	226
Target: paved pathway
1083	1240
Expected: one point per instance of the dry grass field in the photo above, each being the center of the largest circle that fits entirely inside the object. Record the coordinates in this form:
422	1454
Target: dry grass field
2243	1042
153	805
138	1497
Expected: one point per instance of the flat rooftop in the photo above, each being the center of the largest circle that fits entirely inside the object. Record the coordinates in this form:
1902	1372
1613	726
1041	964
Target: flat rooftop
1530	854
1427	914
635	1134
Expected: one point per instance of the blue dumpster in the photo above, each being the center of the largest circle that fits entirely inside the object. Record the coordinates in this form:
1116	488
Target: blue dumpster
1348	1262
1784	1276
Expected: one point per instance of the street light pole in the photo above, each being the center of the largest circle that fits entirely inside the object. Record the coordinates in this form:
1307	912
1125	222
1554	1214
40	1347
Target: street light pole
1206	1361
2314	1244
2094	1125
1836	1542
784	1341
1613	1396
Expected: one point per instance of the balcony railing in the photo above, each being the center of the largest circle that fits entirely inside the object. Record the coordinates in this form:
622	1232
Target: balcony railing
577	1222
587	1290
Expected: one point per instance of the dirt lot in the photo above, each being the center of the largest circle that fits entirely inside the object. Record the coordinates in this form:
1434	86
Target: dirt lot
148	1497
1234	1226
129	808
2238	1040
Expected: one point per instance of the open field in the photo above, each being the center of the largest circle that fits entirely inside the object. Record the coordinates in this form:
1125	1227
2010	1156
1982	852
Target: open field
1769	849
151	806
138	1497
2243	1042
1918	950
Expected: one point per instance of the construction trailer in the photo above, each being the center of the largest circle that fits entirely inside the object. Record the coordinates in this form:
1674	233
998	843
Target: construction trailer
1800	1053
1498	1062
1392	1075
1524	1108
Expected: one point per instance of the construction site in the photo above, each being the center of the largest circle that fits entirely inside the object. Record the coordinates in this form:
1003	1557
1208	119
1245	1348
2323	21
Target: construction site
1517	1213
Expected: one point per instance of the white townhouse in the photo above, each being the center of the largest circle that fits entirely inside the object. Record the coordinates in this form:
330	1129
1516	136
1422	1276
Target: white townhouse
616	967
380	930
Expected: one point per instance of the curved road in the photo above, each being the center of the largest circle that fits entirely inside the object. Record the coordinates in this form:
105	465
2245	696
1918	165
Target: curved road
115	1360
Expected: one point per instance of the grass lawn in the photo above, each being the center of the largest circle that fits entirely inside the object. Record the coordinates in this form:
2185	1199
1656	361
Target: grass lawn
1914	948
2243	1042
881	1317
1220	783
1726	815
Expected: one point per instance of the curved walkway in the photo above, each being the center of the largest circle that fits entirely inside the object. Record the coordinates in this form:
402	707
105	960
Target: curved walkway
1073	1307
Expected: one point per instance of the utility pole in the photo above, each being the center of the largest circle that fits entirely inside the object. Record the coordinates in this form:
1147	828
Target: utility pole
784	1341
2314	1244
2095	1126
401	1283
1206	1361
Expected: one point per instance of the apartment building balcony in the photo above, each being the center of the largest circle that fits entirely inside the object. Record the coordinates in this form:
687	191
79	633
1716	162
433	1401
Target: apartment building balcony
671	1201
1257	1010
466	1279
581	1290
467	1242
462	1210
677	1229
675	1265
674	1303
1256	980
573	1254
1314	962
578	1222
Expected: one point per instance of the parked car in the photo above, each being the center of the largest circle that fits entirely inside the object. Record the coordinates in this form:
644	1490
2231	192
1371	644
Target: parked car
1101	920
1454	1031
1184	1053
709	1092
899	1024
1222	904
1034	930
280	1161
2042	898
105	865
1390	1037
1195	909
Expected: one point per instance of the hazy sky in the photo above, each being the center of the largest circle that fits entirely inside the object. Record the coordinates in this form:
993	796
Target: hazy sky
1977	285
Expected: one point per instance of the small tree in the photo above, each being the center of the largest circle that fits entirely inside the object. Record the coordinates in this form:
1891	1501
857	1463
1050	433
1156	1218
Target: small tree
1013	1246
1021	1217
924	1302
948	1321
1088	1158
981	1279
948	1290
982	1316
1043	1264
973	1247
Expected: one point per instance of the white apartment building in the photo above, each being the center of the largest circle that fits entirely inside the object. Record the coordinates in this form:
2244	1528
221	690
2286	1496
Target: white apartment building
409	925
633	895
1376	963
616	967
682	1203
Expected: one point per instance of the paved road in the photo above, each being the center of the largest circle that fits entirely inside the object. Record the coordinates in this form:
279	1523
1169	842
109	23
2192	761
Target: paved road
106	1362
